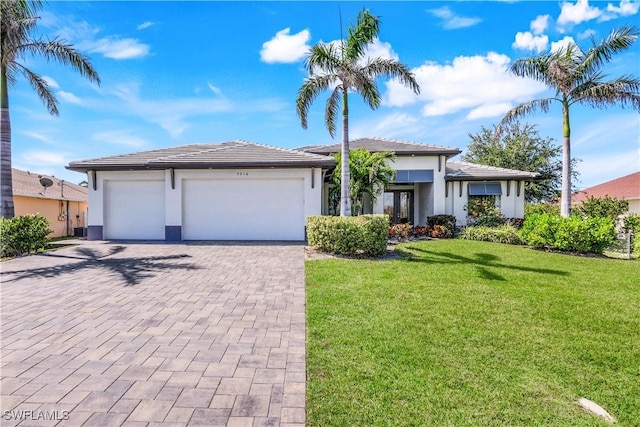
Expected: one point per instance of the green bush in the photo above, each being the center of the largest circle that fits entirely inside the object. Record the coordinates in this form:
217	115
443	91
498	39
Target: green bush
448	221
573	234
485	221
602	207
23	234
503	234
541	208
356	235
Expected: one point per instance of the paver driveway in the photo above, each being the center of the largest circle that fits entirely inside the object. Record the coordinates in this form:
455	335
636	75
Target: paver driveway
154	334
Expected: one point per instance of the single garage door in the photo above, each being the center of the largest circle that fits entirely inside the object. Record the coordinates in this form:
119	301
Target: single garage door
243	209
134	210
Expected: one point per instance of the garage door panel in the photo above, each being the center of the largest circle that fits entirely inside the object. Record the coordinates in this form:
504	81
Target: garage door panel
243	209
134	210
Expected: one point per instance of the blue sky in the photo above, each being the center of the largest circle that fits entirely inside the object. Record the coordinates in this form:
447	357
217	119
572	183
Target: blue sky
198	72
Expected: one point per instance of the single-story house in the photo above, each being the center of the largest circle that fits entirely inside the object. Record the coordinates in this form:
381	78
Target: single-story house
64	204
626	187
243	191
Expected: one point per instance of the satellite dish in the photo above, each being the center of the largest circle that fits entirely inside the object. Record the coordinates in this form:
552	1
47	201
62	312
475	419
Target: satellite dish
46	182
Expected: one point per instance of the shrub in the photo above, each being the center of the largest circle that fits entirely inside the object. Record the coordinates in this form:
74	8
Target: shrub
602	207
503	234
572	234
23	234
364	234
448	221
441	232
400	231
486	221
514	222
420	231
541	208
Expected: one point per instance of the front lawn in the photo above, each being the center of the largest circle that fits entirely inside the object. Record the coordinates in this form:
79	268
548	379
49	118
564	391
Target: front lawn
472	333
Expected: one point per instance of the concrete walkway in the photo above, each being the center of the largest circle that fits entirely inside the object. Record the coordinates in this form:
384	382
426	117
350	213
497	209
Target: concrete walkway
154	334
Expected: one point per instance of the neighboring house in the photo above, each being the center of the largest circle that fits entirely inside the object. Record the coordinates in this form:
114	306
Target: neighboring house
243	191
63	204
626	187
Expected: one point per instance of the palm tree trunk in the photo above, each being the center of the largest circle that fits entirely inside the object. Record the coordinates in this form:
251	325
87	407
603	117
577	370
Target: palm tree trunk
6	180
345	175
565	198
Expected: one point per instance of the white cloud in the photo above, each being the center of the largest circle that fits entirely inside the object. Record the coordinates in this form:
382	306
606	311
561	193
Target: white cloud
115	48
214	89
540	24
69	97
378	49
562	44
44	158
451	21
120	137
527	41
480	84
38	136
587	34
145	25
285	48
51	82
573	14
626	8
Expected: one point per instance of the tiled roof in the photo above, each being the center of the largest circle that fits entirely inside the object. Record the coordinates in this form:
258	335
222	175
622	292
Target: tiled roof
230	154
626	187
401	148
463	171
28	184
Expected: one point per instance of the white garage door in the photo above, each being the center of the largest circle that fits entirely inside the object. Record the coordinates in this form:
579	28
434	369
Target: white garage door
243	209
134	210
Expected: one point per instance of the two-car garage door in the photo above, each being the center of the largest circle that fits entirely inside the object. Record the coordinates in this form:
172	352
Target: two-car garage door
243	209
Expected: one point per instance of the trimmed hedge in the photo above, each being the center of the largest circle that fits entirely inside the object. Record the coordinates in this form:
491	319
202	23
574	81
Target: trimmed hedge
349	235
23	235
507	234
574	234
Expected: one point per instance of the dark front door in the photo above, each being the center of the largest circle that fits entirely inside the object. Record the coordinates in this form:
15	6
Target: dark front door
398	205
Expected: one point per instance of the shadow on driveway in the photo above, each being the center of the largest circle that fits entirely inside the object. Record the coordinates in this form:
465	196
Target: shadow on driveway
132	269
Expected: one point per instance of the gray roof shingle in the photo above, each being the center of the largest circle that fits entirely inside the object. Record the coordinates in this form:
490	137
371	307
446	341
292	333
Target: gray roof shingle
463	171
27	184
401	148
232	154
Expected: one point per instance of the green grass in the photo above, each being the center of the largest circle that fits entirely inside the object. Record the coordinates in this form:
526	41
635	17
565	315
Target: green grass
472	333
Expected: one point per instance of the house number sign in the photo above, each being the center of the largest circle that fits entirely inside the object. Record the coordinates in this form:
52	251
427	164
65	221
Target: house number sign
242	173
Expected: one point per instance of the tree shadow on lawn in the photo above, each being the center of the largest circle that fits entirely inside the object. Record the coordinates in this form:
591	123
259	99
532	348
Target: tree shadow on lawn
132	270
481	261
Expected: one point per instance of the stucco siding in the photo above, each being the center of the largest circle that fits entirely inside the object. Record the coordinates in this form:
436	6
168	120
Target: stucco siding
55	211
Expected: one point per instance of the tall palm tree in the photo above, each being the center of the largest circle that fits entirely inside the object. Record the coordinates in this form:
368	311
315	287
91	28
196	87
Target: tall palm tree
577	78
342	67
19	21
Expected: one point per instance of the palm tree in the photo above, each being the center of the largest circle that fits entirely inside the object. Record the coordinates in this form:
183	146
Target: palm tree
576	77
18	23
369	173
342	67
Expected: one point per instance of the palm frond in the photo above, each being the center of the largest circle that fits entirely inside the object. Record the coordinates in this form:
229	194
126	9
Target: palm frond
42	89
623	91
331	110
535	67
323	56
618	40
359	36
393	69
309	91
59	51
524	109
367	88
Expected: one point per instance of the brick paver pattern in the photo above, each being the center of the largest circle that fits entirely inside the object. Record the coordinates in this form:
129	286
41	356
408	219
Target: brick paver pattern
154	334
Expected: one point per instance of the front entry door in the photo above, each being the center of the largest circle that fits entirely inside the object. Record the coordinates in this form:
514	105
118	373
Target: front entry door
398	205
